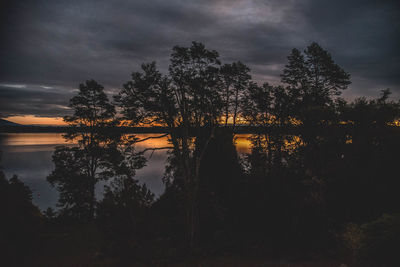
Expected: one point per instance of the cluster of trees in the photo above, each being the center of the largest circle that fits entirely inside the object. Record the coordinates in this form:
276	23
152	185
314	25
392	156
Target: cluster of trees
317	162
100	154
21	221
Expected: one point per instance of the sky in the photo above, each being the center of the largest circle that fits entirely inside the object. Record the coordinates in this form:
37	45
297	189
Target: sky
48	47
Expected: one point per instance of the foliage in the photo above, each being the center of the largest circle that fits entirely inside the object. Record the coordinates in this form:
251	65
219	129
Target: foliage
235	79
377	242
366	113
188	96
91	107
188	102
317	162
21	221
123	215
313	78
99	155
72	180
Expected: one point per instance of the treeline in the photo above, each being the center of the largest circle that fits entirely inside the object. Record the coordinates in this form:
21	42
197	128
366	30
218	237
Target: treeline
64	129
328	188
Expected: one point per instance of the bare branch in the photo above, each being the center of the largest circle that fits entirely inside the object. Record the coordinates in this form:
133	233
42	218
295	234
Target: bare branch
154	149
151	137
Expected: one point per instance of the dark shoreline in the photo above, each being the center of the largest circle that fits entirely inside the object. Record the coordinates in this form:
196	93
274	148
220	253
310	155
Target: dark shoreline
64	129
236	130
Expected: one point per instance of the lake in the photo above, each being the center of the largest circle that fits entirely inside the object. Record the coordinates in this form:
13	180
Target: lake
29	155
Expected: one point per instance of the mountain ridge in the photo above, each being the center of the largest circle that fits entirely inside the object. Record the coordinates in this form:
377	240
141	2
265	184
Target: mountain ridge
4	122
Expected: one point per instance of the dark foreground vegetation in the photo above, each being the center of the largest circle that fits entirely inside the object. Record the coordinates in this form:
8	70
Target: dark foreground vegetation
319	188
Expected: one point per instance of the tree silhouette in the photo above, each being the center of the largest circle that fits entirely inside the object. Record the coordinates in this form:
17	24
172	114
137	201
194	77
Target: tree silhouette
20	224
99	155
187	101
366	113
318	164
235	80
313	78
123	216
91	108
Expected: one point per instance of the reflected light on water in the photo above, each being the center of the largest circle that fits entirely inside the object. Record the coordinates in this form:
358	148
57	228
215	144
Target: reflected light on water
29	139
242	143
29	155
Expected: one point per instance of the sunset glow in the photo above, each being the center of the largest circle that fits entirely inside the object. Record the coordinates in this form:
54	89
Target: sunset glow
35	120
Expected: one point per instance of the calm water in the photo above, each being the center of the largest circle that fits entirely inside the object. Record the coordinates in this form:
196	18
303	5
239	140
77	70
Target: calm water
29	155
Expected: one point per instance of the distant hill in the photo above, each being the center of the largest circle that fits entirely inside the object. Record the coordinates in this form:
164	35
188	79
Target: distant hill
8	123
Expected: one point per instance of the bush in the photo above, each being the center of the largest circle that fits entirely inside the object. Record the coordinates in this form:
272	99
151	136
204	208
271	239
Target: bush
20	223
376	243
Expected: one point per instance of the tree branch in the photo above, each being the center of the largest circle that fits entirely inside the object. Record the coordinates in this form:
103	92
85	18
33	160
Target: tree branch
151	137
154	149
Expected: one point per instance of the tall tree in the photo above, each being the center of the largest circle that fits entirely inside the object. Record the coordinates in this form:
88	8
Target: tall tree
235	80
92	113
98	155
313	78
269	107
187	101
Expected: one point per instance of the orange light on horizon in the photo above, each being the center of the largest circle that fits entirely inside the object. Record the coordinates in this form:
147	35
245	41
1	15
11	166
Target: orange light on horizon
35	120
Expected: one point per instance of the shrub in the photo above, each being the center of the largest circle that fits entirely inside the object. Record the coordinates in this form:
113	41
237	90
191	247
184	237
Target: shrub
375	243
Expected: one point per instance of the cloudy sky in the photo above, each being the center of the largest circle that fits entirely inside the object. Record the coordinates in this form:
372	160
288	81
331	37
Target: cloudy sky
48	47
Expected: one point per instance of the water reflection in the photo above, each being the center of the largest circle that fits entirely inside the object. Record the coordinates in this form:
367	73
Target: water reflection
32	139
29	155
243	143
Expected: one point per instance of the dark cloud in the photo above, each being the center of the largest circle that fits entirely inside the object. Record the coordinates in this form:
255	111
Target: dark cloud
62	43
44	101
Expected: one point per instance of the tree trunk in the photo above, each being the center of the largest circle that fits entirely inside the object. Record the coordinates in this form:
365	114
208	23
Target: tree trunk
192	217
193	184
227	106
236	108
92	185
